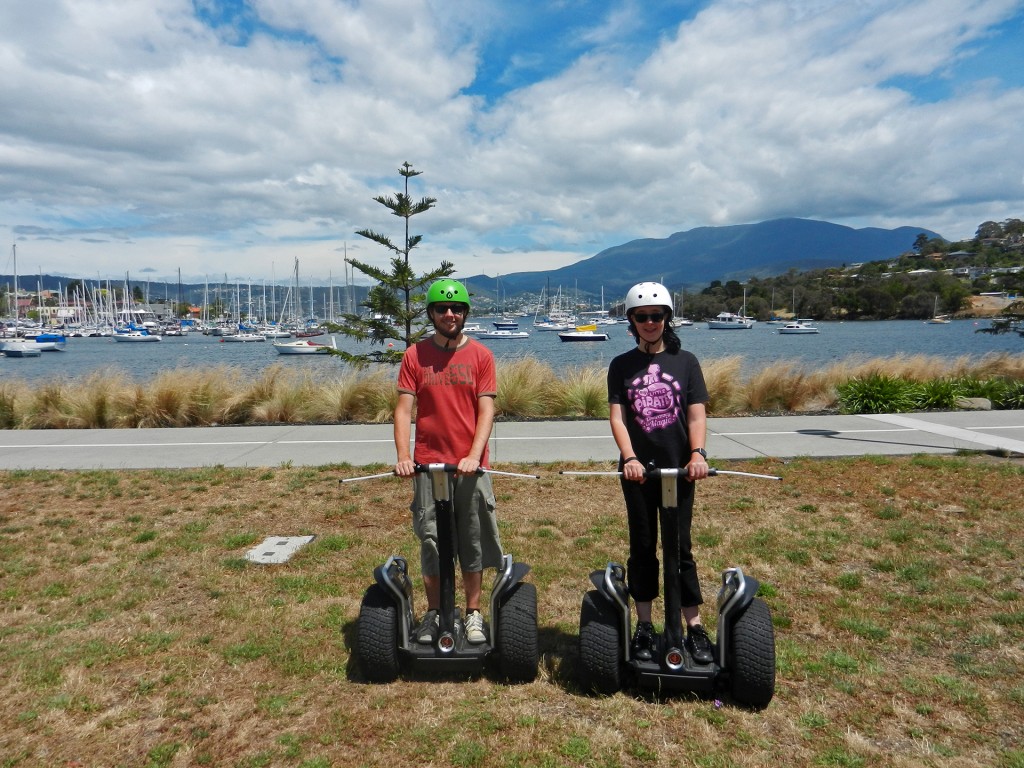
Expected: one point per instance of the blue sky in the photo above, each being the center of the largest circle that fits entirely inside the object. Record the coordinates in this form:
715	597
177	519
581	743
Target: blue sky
230	138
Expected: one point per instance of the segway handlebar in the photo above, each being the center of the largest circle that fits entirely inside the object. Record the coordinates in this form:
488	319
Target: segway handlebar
420	468
652	473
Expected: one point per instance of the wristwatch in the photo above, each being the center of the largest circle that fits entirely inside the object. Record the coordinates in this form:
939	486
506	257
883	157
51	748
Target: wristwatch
702	452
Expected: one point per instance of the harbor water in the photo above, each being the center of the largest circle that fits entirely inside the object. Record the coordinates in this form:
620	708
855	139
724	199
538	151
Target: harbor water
759	346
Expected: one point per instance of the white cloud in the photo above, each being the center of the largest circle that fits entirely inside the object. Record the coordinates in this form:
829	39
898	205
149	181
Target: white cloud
135	136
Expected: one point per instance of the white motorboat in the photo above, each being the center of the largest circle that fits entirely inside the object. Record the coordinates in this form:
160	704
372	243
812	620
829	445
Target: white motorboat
583	333
303	347
21	350
244	337
798	327
135	336
728	320
473	328
502	334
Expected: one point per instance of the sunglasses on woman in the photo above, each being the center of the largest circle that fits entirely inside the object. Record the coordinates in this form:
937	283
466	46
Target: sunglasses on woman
654	317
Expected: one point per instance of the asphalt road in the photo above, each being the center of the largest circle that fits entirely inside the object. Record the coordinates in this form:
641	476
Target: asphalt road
545	442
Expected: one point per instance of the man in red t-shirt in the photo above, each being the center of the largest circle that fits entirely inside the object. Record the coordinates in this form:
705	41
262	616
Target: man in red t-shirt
451	379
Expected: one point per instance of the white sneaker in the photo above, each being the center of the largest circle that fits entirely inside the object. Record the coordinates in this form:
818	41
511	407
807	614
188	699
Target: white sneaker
475	628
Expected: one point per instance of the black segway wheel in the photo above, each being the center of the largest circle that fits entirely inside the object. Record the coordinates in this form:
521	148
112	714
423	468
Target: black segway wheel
517	634
752	651
377	636
600	645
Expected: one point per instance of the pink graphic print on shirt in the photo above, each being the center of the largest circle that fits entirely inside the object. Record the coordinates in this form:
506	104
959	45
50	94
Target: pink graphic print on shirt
655	399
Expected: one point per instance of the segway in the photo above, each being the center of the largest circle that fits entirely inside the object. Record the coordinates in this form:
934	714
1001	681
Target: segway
386	625
744	654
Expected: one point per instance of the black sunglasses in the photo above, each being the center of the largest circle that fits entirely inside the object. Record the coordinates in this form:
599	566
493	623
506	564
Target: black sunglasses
654	317
455	309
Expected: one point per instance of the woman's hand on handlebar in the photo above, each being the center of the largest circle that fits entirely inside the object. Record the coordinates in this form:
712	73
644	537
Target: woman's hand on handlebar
633	470
698	468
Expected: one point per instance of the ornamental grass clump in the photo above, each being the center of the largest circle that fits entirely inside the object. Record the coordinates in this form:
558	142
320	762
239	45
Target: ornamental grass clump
722	377
524	388
240	406
781	387
50	408
581	393
352	395
288	404
10	393
60	404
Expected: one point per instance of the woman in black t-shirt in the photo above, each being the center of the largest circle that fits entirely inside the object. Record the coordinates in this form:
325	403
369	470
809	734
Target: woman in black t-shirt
657	398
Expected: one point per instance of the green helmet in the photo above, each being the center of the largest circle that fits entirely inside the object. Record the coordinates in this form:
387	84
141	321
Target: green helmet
448	290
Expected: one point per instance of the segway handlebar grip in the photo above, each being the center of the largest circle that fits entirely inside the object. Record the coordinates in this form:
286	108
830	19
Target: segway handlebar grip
444	468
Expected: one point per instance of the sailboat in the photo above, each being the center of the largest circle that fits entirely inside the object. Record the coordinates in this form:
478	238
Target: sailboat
22	345
936	318
775	319
681	320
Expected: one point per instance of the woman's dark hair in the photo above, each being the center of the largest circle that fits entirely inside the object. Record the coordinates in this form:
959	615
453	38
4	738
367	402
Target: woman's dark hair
668	335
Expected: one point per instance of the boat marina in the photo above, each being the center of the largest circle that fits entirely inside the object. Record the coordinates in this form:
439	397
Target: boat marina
760	346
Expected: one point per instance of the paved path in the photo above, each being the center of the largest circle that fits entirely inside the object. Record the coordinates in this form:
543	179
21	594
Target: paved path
545	442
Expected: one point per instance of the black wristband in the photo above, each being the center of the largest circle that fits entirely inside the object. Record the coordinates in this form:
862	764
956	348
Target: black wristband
701	451
631	458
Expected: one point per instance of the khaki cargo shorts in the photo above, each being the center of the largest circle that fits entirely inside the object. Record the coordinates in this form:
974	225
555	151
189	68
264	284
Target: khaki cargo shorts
475	540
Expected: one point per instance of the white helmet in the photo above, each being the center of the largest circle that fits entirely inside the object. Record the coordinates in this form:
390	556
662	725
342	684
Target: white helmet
648	295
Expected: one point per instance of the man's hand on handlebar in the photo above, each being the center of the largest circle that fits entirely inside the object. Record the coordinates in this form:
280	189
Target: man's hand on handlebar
468	466
406	468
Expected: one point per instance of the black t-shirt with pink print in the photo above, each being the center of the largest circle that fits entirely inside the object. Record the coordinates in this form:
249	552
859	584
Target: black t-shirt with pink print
655	392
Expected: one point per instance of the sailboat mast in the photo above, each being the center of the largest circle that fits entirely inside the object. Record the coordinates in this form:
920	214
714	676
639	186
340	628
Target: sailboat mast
17	305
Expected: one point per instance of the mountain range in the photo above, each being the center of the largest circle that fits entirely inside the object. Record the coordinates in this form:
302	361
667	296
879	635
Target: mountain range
699	256
690	259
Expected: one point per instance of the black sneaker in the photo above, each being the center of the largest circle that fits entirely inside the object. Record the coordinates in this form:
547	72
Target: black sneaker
699	644
426	632
643	641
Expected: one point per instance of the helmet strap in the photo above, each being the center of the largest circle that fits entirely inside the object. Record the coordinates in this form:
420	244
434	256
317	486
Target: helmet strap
646	346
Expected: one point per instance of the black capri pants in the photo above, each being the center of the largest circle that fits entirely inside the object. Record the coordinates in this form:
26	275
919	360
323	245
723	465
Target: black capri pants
643	569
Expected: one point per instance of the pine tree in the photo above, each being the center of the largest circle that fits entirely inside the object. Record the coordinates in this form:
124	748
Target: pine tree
397	301
1010	321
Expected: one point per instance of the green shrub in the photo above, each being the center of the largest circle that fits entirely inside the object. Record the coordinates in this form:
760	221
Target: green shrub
939	394
1012	397
991	389
878	393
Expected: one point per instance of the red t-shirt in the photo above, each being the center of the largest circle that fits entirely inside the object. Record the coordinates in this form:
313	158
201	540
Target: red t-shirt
448	385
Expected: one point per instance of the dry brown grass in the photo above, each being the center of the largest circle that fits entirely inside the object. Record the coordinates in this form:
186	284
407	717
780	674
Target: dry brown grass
134	633
524	387
527	389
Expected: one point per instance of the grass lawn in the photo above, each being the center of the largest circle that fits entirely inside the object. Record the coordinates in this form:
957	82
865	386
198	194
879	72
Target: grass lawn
135	633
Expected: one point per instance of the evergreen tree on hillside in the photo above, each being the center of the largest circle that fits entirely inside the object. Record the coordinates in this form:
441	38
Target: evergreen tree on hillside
396	302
